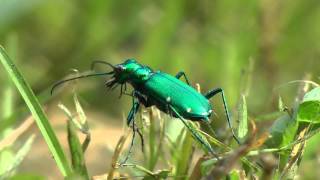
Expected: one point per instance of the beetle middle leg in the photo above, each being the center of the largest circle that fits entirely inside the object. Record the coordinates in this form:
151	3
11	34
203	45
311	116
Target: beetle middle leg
181	73
214	92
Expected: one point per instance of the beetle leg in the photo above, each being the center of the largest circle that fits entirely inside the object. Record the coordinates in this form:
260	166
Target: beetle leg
142	99
142	140
214	92
133	111
131	145
121	91
194	133
130	118
181	73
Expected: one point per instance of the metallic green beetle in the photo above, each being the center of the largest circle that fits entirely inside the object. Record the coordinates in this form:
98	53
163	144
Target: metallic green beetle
166	92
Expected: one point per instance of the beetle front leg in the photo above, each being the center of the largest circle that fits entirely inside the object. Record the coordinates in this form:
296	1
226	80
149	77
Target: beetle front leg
136	105
130	118
134	109
214	92
181	73
142	99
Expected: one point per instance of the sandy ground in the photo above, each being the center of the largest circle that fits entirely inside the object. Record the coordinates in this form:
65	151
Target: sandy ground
104	137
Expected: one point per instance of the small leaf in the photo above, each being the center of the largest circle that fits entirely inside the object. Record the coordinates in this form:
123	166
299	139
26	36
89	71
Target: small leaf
282	132
313	95
16	161
243	118
309	109
234	175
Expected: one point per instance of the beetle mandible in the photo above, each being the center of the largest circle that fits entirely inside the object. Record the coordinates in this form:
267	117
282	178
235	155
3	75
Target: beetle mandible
166	92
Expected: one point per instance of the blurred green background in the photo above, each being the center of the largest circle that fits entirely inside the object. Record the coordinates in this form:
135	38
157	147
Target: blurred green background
217	43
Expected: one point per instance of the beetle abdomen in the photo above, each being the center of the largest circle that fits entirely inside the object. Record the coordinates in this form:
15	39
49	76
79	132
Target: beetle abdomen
166	89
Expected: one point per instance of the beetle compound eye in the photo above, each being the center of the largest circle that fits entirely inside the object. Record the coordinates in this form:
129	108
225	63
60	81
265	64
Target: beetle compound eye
120	68
130	61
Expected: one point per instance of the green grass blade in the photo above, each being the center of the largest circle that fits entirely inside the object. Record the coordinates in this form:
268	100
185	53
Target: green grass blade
185	155
37	112
75	147
77	155
7	103
6	158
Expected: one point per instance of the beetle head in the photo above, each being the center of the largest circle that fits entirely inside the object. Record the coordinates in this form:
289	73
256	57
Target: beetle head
128	71
123	71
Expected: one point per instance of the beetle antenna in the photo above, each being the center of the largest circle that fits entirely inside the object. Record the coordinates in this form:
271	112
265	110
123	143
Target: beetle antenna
78	77
101	62
113	87
121	89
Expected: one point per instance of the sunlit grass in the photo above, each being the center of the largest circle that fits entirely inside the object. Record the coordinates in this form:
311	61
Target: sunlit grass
246	49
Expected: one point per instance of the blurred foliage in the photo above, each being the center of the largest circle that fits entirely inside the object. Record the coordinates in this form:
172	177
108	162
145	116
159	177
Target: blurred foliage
212	41
249	49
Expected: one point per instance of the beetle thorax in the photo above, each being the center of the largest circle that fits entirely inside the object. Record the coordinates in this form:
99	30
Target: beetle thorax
131	71
140	75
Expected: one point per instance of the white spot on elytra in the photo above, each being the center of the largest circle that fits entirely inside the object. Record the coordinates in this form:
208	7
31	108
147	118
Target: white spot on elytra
210	111
168	99
188	110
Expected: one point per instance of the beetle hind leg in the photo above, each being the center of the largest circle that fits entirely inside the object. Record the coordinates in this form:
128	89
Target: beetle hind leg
214	92
207	122
181	73
194	133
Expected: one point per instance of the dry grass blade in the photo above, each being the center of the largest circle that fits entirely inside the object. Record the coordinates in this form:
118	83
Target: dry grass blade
116	154
296	152
114	162
225	165
243	119
196	173
153	151
10	139
227	148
